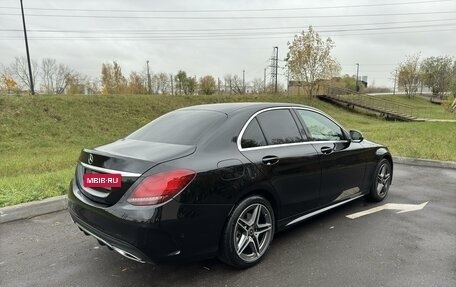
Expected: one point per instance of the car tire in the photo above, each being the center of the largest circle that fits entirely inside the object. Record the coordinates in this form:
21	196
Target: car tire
248	233
381	181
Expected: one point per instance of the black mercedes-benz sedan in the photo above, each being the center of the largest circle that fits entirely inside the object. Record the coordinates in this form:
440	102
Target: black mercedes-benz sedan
221	180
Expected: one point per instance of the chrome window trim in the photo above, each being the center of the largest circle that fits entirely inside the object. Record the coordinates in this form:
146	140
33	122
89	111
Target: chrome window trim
107	170
240	148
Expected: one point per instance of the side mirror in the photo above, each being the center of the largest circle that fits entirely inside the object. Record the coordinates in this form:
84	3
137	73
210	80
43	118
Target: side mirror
356	136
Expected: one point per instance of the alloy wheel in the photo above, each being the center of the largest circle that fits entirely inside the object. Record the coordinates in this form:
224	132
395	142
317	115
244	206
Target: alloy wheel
383	179
253	232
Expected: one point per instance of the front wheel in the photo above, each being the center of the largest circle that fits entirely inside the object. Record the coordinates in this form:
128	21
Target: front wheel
248	233
381	181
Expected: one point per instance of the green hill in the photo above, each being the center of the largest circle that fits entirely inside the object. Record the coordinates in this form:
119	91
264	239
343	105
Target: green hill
41	136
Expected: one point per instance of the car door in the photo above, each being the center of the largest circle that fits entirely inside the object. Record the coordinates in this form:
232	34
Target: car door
273	141
342	161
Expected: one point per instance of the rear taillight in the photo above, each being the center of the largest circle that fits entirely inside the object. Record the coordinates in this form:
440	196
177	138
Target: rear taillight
161	187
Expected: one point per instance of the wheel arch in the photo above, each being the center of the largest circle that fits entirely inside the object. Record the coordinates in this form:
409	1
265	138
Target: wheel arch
383	153
263	192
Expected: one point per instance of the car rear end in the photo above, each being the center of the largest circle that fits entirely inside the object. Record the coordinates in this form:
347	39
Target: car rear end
142	219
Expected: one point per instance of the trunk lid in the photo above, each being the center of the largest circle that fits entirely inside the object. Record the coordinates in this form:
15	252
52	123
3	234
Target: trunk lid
130	158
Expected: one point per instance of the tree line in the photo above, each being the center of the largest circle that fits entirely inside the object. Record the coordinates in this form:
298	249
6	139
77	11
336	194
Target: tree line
309	65
51	77
438	73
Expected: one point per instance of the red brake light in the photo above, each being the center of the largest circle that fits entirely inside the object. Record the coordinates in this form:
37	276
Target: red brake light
161	187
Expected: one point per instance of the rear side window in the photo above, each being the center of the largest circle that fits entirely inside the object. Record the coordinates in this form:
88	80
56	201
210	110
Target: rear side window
279	127
179	127
253	136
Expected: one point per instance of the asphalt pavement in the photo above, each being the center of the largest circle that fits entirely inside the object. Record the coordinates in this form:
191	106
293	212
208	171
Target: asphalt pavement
385	248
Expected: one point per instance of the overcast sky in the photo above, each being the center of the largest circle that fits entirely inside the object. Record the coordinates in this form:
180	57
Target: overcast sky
225	37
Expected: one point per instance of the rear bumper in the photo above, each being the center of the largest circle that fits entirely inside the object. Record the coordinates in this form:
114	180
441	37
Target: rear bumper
121	247
172	232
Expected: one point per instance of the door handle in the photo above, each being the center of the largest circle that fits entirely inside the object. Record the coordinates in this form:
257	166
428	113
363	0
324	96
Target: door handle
270	159
326	150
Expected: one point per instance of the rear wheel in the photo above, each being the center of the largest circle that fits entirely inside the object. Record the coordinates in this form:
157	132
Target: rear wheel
381	181
248	233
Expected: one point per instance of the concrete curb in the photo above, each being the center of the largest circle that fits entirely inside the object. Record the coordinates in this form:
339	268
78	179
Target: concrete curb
424	162
35	208
32	209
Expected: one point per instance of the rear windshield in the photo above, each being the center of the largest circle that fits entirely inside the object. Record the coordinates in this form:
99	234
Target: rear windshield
179	127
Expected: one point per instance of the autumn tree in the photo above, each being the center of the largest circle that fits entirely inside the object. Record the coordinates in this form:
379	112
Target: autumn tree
207	85
310	59
408	74
437	74
136	83
8	84
112	79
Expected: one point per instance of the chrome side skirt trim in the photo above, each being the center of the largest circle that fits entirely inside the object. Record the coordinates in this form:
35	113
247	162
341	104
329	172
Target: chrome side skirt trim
117	249
106	170
321	210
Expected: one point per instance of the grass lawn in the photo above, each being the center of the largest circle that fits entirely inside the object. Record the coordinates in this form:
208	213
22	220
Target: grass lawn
41	136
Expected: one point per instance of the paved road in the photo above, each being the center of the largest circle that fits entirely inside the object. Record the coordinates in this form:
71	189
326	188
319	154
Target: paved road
382	249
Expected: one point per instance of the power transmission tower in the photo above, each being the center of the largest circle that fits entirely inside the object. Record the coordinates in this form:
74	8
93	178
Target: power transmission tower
275	67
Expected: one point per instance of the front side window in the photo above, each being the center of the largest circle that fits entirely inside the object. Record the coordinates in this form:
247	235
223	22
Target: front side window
320	127
279	127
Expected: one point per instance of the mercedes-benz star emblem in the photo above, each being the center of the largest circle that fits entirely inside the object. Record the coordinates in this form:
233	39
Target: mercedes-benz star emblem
90	160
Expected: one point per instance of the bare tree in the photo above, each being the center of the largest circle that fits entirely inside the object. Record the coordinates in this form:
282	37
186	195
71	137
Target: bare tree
234	84
258	86
161	83
54	76
19	70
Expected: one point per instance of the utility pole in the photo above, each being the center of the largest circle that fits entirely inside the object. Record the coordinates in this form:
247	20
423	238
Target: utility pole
264	81
32	88
243	81
231	90
357	72
276	67
288	73
395	79
149	85
288	79
218	85
172	85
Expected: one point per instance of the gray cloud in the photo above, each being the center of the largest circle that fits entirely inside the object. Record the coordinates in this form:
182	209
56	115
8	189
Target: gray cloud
377	51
